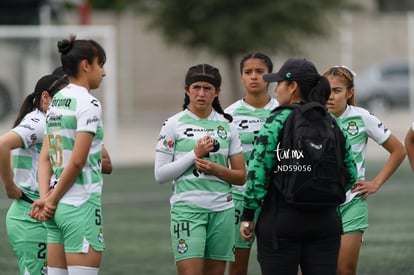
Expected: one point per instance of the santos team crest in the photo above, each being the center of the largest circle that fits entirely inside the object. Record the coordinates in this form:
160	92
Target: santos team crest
221	132
182	246
352	128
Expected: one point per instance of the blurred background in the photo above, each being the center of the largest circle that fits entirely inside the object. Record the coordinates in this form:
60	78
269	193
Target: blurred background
151	43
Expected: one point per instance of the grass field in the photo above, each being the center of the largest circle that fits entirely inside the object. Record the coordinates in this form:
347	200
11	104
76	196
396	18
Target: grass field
136	212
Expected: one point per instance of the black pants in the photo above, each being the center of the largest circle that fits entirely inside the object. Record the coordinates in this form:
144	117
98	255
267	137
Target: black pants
317	257
309	239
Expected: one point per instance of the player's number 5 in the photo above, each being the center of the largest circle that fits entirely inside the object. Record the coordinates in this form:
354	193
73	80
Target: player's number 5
56	149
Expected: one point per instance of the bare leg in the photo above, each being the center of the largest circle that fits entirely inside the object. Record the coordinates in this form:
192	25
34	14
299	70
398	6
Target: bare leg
241	263
349	253
91	259
190	267
214	267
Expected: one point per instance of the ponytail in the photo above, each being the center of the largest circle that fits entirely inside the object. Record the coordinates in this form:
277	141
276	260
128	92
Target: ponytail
186	101
48	83
217	107
28	105
318	91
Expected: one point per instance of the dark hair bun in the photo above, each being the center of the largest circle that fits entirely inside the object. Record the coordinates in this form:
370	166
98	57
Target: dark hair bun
64	46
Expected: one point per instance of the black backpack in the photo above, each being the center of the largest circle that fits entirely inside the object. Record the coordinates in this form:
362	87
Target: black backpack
309	170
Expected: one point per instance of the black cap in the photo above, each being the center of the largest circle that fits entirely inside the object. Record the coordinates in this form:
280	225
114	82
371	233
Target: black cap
294	69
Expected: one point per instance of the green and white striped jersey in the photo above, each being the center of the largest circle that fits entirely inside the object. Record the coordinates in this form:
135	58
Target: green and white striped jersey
248	120
74	110
193	191
25	160
360	124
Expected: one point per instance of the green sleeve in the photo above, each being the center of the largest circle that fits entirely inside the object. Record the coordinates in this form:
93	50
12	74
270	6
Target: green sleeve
350	163
262	159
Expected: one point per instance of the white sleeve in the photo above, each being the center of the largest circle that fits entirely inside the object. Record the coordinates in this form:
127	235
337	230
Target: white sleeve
166	167
31	129
376	129
88	116
166	170
235	145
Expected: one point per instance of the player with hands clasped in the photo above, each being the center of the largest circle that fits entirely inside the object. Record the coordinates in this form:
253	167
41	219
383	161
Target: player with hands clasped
199	150
70	164
26	235
359	124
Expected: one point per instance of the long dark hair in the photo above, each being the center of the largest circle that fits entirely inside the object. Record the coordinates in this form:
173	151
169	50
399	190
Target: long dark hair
212	75
49	83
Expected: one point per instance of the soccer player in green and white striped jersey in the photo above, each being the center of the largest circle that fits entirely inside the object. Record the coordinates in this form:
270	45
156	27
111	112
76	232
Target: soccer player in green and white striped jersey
199	150
359	124
249	114
26	235
72	156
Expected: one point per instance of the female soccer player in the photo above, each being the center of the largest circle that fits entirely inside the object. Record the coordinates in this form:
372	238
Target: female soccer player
199	150
360	125
26	235
248	114
70	161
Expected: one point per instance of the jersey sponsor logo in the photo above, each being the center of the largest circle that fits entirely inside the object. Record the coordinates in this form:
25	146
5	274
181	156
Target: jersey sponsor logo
189	132
61	102
53	116
53	119
92	120
352	128
27	126
244	124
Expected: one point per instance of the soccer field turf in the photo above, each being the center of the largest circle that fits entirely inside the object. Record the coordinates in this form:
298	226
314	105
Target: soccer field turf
136	220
